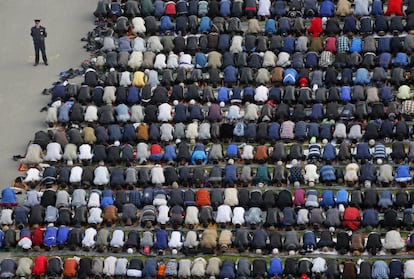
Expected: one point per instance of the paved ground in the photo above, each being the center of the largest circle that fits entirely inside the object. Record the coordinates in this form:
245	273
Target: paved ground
21	83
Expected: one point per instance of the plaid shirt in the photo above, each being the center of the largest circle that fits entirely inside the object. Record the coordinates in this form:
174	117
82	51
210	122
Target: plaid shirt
342	44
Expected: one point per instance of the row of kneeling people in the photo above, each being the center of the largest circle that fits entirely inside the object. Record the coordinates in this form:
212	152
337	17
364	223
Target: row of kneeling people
353	174
206	240
237	206
214	267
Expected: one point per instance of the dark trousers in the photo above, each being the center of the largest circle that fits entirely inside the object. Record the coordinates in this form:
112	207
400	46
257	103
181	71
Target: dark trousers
40	46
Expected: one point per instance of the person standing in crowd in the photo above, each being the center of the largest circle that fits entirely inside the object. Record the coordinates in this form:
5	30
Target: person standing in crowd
38	33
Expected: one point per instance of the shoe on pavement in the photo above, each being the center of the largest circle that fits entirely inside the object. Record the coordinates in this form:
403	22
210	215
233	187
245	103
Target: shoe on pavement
46	63
35	64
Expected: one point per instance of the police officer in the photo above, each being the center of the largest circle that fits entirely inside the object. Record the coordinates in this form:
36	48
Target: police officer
39	34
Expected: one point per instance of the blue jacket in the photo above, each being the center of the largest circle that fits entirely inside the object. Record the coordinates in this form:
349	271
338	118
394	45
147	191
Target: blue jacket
403	172
232	151
162	240
227	270
170	153
327	173
275	267
230	174
62	235
8	196
370	218
328	199
199	155
363	151
327	9
49	238
107	198
309	239
342	197
329	152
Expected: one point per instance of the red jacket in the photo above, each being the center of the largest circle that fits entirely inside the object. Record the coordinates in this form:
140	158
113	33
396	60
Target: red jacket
316	27
352	218
170	8
395	7
156	149
40	265
37	237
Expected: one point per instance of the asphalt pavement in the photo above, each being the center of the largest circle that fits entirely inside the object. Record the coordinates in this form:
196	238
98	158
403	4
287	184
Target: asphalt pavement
66	23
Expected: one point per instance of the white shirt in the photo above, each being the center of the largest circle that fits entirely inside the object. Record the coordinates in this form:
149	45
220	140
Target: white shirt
85	152
142	151
231	196
247	152
224	214
163	214
185	61
53	152
6	216
160	61
164	112
157	175
32	174
409	269
101	174
91	114
75	174
109	266
25	243
175	240
191	216
95	215
251	112
139	44
125	79
117	239
121	267
238	215
319	265
94	200
172	61
89	238
261	94
234	112
303	216
264	8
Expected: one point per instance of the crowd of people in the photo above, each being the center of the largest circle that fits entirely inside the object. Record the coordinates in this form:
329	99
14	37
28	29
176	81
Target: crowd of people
200	268
271	129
